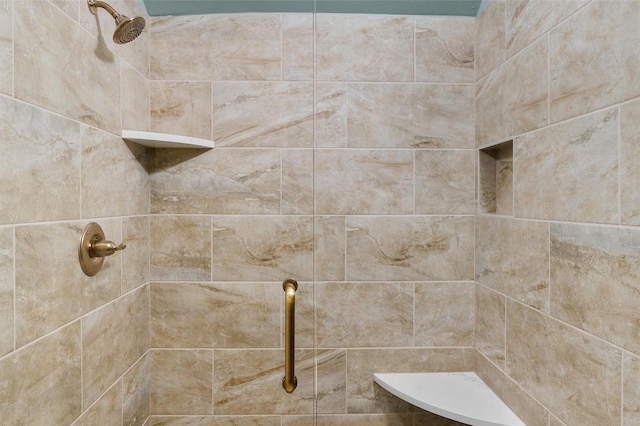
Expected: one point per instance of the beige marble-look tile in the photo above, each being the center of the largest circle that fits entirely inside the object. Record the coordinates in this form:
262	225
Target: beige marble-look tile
215	421
331	115
429	419
250	382
629	170
504	106
490	38
401	419
504	186
345	318
410	115
135	258
181	108
7	279
304	316
263	114
70	7
569	171
332	381
445	182
527	20
365	396
299	420
115	181
364	181
116	335
384	46
135	393
512	257
577	377
51	289
180	382
444	313
521	403
6	47
631	390
445	49
180	248
420	248
490	325
218	181
586	76
107	411
52	55
38	148
297	47
554	421
41	384
329	246
218	315
297	181
135	99
594	281
262	248
216	47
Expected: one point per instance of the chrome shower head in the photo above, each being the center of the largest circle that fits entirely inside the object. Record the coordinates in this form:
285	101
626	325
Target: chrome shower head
127	29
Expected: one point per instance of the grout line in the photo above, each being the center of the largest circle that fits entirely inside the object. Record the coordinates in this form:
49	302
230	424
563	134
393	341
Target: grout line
619	146
622	388
549	120
15	328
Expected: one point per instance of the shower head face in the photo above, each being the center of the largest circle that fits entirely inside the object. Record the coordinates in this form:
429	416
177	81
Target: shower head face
128	29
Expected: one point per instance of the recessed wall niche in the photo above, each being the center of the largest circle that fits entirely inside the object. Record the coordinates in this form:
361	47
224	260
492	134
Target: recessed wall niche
496	179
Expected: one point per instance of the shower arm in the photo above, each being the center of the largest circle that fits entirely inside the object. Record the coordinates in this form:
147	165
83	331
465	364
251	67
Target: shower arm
94	4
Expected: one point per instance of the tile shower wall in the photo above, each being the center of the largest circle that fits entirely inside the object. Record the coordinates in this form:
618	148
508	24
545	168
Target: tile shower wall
557	282
73	349
380	216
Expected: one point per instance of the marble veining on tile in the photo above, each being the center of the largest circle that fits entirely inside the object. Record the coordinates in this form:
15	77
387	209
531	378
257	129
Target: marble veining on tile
331	115
490	325
421	248
490	35
569	171
297	181
6	290
181	108
631	390
135	393
297	47
410	115
217	421
329	248
135	260
135	99
629	170
6	47
107	411
332	381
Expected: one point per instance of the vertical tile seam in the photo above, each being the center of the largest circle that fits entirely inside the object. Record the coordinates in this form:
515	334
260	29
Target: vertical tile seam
211	248
13	49
619	143
281	16
622	387
15	289
549	120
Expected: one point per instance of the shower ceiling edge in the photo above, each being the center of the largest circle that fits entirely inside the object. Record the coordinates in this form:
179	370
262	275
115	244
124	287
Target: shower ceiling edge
386	7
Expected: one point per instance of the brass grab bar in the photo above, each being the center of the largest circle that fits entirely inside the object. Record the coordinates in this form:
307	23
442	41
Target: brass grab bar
289	381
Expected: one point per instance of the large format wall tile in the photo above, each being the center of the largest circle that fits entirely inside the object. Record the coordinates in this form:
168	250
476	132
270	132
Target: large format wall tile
490	38
527	20
444	314
410	115
181	108
384	46
512	257
41	384
220	181
53	55
115	336
364	396
216	47
331	115
445	49
180	248
51	289
297	181
38	148
135	259
329	247
569	171
400	419
332	381
297	47
107	411
6	290
422	248
250	382
6	47
260	248
218	315
594	281
586	76
135	393
181	382
109	165
345	318
263	114
629	170
490	325
504	106
364	181
135	99
445	182
631	390
576	376
216	421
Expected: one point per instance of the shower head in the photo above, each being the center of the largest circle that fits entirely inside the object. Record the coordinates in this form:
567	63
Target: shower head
127	29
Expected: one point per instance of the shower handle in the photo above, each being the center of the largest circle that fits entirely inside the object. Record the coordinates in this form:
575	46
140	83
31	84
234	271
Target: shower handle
289	382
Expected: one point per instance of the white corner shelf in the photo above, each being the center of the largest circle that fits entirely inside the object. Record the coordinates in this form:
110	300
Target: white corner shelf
165	140
459	396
